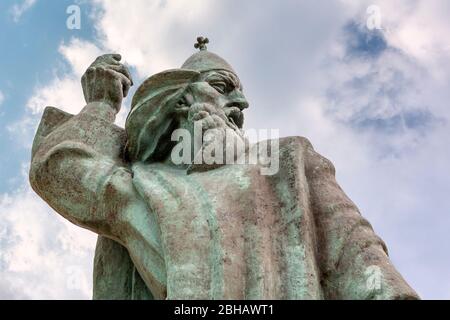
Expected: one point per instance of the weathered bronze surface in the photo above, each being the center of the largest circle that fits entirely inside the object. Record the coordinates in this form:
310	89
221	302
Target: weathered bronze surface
171	231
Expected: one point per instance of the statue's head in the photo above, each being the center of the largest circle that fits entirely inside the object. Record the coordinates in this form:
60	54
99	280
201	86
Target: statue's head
177	98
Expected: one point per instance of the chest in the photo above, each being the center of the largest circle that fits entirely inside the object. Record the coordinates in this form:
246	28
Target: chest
224	228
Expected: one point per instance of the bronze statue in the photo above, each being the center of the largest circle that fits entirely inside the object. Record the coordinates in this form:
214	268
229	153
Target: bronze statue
201	231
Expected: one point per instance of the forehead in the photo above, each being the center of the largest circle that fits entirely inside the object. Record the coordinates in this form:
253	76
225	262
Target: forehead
221	75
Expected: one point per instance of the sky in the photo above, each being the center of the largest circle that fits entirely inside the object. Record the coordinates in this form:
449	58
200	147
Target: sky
367	82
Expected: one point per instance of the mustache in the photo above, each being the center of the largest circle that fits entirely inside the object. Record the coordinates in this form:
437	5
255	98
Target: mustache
231	116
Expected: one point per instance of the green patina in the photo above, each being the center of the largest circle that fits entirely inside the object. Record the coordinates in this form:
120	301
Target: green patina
199	231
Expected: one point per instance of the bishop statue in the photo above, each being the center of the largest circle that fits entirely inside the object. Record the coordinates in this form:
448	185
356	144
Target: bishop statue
170	229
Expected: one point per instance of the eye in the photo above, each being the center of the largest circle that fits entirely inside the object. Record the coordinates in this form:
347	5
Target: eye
220	86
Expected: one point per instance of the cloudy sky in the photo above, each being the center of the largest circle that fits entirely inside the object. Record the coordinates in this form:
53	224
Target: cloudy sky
368	82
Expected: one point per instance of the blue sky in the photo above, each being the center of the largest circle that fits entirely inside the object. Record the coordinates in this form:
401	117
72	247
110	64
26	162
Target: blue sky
29	57
374	101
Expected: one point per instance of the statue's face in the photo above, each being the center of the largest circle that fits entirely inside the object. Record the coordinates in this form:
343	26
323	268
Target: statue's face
216	101
212	99
222	91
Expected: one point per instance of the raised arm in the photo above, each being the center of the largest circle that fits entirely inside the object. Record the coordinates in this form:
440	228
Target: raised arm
76	167
354	260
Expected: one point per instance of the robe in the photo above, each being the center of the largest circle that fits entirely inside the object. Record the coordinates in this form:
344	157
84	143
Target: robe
224	233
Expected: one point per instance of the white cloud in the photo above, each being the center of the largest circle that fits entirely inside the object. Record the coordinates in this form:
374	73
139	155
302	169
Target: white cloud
42	256
65	91
418	29
79	54
2	98
415	28
384	121
18	10
150	40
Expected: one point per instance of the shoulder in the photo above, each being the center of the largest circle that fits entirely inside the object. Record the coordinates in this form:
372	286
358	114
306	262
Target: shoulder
286	148
297	141
295	146
314	162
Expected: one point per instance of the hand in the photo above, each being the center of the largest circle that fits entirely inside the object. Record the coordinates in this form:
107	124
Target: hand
106	80
218	132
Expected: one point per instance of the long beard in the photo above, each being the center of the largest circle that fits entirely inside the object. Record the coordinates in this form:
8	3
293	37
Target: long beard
217	139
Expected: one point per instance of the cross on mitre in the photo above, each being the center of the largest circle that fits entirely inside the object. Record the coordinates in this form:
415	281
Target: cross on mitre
201	43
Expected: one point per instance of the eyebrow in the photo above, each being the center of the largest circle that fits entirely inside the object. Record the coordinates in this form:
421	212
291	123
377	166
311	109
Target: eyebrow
225	75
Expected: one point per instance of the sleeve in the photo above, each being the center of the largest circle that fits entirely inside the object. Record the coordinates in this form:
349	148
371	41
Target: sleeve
74	171
353	259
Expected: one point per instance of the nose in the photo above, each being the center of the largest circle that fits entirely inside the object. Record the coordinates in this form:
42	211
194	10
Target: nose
237	99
